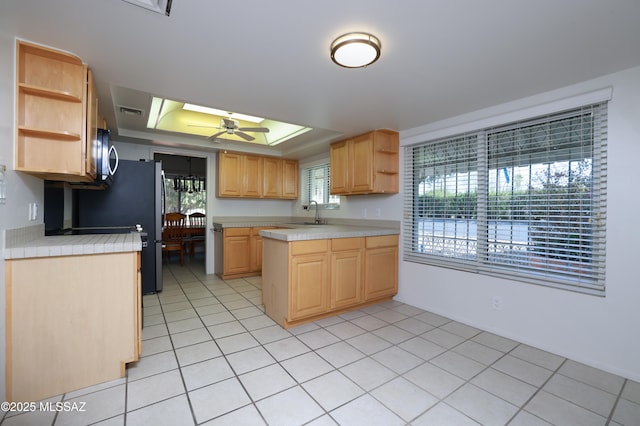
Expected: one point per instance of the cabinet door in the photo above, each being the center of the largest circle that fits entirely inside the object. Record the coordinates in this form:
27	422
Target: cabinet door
272	180
256	253
237	259
381	267
256	248
339	160
309	293
361	164
346	271
229	174
252	176
346	278
290	179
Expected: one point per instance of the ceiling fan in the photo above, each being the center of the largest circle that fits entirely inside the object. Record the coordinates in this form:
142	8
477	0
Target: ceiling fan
230	127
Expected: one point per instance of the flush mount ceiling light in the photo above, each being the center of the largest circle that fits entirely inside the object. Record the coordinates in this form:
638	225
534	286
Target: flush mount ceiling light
355	50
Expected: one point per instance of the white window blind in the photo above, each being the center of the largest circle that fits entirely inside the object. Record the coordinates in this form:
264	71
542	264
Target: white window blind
525	200
316	186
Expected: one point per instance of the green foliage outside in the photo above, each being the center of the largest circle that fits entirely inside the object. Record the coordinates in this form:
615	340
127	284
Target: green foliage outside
557	209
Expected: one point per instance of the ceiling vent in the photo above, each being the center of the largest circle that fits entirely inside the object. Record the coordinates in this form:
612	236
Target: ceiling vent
135	112
158	6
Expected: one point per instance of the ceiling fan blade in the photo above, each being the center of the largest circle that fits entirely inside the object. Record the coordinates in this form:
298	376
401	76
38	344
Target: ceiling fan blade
254	129
213	137
229	123
244	136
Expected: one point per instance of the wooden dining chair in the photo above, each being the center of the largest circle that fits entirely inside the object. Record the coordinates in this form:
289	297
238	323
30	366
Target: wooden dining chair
173	234
196	231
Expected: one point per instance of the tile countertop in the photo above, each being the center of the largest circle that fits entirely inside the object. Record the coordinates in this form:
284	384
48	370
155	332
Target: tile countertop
67	245
324	232
252	221
292	228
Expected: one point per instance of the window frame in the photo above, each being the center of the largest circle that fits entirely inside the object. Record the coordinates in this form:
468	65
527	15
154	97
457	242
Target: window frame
328	201
591	282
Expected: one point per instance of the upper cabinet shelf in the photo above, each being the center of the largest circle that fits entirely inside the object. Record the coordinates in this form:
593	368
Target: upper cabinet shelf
45	91
366	164
51	134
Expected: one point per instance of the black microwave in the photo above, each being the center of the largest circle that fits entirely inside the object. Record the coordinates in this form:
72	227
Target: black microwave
106	158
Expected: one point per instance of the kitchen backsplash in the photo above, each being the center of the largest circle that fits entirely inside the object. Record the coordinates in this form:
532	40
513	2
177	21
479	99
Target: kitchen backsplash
19	236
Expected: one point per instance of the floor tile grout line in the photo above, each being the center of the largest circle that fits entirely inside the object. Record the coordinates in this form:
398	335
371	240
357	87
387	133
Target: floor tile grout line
236	374
615	404
538	390
372	331
301	384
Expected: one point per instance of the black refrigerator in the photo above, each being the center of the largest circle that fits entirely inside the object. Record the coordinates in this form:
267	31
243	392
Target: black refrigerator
135	197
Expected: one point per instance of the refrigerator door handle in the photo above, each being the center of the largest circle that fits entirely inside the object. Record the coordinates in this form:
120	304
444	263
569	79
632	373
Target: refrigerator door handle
163	208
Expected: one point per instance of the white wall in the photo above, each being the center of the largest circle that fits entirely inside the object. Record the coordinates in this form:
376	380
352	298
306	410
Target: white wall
598	331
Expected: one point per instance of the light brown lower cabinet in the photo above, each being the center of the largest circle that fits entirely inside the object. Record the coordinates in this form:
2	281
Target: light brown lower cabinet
306	280
241	252
72	322
309	270
237	245
346	272
381	267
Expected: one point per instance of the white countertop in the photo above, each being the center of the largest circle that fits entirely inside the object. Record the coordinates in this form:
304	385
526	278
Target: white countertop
292	228
325	232
68	245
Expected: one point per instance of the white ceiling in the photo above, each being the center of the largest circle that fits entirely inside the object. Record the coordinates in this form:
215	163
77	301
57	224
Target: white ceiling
271	58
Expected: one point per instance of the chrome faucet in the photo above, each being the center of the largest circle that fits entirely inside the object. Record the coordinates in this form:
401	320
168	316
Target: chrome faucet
317	219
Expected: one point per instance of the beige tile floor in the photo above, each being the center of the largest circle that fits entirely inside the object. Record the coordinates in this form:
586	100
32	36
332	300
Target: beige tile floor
211	356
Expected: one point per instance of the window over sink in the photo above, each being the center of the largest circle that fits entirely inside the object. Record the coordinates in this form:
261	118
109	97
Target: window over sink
316	186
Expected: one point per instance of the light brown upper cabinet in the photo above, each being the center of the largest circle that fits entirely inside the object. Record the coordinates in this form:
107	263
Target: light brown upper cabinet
272	169
54	98
290	179
252	175
256	176
366	164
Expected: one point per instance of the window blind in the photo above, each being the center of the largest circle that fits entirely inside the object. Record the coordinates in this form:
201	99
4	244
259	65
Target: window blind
525	200
316	186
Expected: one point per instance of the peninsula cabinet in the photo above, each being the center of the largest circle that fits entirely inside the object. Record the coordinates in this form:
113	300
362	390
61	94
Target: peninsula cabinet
366	164
254	176
54	98
71	322
307	280
346	271
309	294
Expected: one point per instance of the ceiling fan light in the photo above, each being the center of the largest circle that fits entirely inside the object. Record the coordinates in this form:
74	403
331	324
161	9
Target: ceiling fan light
355	50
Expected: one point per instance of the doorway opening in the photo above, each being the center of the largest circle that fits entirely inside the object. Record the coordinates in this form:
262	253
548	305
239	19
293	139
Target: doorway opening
186	193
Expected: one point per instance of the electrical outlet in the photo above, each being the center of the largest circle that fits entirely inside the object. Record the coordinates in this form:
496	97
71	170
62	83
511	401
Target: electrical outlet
496	303
378	212
364	212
